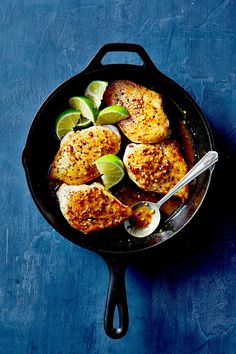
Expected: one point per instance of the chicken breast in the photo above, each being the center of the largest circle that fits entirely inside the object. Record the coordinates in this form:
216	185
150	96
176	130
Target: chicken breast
90	208
156	167
74	162
147	122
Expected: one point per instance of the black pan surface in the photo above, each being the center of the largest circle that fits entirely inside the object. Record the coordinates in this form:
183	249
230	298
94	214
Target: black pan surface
42	145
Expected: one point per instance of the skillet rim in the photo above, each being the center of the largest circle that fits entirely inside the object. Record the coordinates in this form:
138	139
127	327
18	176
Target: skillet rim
37	116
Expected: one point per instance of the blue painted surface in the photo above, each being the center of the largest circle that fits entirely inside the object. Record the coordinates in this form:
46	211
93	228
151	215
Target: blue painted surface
181	297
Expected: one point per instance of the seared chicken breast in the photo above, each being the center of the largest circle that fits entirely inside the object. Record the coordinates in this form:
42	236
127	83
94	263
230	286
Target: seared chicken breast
74	162
147	122
90	208
156	167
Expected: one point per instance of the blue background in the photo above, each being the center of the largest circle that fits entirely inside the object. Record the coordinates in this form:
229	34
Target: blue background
181	296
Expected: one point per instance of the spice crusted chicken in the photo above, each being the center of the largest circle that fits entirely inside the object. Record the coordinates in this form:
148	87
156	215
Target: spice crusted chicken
74	163
147	122
156	167
90	208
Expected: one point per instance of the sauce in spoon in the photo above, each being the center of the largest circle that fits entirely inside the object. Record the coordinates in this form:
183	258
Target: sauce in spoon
142	216
138	226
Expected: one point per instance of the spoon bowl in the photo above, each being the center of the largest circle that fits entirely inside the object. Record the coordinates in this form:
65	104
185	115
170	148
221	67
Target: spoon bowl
146	215
152	212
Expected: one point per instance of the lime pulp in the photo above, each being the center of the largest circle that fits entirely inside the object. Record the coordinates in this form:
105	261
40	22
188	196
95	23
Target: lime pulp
95	91
85	105
66	121
111	115
111	168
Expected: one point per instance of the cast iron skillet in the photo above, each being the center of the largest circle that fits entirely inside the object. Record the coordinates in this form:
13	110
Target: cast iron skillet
115	245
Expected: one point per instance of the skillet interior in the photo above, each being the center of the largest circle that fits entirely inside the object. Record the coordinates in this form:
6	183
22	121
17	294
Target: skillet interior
42	144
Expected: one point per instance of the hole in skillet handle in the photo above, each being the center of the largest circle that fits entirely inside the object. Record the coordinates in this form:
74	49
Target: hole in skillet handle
116	303
122	58
96	62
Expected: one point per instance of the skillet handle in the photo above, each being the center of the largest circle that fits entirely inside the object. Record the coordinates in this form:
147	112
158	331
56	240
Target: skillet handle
116	297
96	62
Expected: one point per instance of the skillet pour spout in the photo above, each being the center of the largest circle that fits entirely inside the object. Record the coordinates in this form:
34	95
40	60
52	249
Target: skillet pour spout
116	245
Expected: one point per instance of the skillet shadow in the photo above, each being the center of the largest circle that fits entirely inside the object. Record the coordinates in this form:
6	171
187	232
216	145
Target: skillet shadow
209	236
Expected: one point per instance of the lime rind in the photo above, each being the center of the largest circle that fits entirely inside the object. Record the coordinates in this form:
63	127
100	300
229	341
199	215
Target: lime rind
111	158
108	180
111	115
95	91
83	123
66	121
85	105
111	168
67	112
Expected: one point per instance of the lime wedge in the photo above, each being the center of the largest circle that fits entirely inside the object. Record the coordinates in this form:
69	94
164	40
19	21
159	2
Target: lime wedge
83	123
95	91
67	120
111	115
111	169
85	105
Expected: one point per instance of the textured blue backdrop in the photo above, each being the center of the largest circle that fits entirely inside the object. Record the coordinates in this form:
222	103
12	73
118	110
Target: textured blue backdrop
181	297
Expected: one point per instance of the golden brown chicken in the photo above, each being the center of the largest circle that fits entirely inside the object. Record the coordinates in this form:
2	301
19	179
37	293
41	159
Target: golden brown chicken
156	167
90	208
74	162
147	122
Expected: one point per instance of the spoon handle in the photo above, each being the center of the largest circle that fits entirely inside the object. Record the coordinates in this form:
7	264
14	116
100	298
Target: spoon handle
206	161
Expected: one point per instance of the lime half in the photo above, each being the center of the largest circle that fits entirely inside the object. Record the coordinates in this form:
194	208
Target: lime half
111	168
67	120
111	115
85	105
95	91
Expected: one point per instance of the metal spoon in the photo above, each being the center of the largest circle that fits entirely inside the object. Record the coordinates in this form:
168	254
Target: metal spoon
206	161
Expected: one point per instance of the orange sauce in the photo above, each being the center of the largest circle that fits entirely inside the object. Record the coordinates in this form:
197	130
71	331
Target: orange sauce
142	216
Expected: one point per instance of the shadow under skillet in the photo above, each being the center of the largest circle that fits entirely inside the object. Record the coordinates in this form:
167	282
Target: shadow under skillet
210	235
